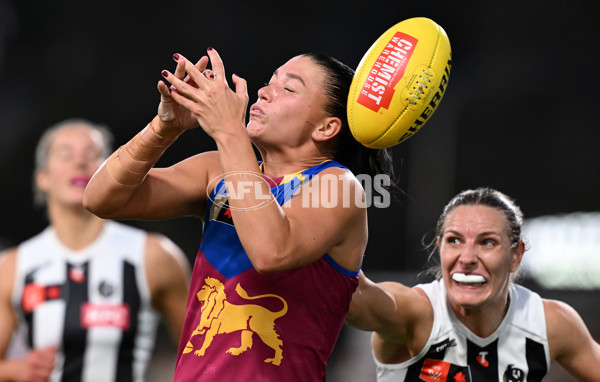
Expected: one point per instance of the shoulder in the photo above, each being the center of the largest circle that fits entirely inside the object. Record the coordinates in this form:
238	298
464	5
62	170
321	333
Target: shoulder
8	253
406	329
558	312
338	171
412	310
329	194
419	304
338	187
8	258
341	210
164	260
160	248
564	325
570	341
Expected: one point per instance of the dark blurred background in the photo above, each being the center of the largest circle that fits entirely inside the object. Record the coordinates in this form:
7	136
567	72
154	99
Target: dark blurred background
521	113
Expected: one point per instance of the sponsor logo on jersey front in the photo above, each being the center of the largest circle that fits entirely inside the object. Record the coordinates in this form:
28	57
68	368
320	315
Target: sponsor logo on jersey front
77	274
435	370
95	315
481	359
36	294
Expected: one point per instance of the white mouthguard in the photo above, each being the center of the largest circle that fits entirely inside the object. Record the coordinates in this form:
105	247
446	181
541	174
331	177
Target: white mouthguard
468	279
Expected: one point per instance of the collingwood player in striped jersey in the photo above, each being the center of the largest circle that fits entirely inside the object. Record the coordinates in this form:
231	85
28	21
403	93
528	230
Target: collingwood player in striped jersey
86	292
473	323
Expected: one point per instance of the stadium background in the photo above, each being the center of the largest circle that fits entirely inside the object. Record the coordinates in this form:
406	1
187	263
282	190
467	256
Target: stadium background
521	113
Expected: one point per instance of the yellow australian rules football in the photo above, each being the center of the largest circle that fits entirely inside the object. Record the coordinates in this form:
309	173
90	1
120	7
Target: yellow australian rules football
399	83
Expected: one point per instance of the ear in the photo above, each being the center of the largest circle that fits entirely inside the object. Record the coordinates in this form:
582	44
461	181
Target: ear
41	179
517	256
330	127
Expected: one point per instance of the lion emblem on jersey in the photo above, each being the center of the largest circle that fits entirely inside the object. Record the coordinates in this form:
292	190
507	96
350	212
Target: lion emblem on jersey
218	316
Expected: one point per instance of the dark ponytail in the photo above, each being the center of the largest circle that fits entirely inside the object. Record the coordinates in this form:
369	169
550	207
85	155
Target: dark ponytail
358	158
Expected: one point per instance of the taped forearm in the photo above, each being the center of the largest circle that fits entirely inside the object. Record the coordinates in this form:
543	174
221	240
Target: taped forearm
130	164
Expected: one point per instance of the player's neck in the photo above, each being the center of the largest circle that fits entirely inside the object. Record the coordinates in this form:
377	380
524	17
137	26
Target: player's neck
482	321
274	166
75	227
280	161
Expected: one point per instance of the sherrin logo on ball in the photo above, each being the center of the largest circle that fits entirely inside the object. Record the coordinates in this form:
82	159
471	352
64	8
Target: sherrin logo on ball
399	83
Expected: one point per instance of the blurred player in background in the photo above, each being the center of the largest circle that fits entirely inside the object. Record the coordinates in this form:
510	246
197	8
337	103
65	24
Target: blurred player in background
86	292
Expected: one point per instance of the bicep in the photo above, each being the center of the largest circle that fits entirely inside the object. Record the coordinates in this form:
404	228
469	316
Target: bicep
178	190
278	238
329	220
169	192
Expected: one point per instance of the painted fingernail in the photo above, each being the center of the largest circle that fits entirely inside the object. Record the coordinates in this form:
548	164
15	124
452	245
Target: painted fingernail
176	56
212	76
164	73
209	48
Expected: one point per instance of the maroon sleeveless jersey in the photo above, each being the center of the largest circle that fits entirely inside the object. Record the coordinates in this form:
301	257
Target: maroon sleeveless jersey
244	326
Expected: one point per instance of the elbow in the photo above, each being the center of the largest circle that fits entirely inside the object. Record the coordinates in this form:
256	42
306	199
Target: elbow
268	260
354	319
265	267
262	271
88	203
353	315
95	206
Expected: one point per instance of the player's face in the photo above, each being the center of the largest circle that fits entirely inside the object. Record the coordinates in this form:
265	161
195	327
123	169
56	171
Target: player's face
290	105
477	257
74	155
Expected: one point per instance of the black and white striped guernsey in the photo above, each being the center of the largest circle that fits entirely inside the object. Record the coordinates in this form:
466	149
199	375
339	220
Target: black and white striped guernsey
93	304
516	352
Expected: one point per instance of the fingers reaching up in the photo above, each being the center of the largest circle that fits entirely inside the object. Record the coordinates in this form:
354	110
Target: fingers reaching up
170	112
206	94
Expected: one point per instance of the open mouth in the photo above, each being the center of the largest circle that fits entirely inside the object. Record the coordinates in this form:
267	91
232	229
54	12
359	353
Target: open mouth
470	280
256	110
